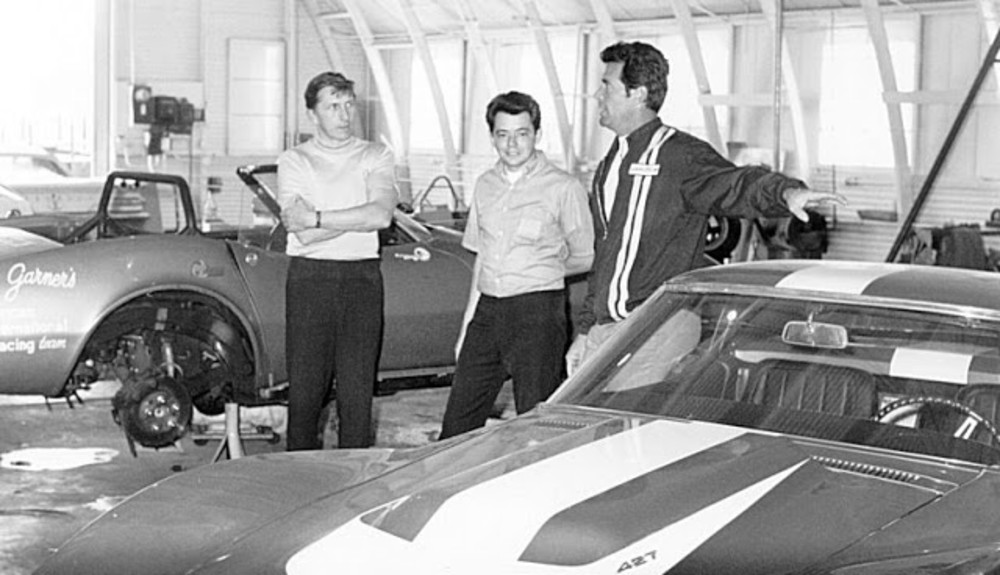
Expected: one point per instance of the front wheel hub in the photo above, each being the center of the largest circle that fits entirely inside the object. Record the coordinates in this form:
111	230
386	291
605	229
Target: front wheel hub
153	412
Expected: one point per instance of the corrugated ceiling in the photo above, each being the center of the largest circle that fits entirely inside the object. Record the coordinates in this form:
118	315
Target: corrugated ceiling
448	17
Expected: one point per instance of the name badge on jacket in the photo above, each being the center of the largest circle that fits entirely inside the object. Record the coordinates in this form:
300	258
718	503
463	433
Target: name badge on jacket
644	169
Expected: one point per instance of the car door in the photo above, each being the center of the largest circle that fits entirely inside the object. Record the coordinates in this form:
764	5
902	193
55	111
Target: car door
426	274
264	274
427	283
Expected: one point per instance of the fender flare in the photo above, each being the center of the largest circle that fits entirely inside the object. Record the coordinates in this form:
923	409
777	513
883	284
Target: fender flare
182	311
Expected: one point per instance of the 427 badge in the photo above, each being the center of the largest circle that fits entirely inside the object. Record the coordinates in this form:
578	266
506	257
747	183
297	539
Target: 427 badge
645	558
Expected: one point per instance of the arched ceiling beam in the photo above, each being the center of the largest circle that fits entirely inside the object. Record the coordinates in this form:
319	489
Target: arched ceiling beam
683	14
474	37
887	72
605	23
791	86
545	50
321	22
990	13
416	32
604	36
381	76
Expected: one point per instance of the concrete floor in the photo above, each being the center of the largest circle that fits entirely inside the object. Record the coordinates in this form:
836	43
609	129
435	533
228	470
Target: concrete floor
39	509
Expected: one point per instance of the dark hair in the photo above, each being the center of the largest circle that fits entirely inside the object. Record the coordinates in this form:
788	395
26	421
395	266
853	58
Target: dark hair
338	81
644	65
514	103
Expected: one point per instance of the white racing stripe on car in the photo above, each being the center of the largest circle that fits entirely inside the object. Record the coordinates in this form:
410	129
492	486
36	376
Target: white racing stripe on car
493	522
517	504
663	550
835	278
930	365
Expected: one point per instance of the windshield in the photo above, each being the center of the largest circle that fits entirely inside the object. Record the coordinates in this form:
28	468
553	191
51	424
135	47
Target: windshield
871	375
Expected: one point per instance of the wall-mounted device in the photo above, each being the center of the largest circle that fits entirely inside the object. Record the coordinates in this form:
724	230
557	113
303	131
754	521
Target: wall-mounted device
165	115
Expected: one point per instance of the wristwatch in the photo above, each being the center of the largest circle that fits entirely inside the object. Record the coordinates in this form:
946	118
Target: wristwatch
319	219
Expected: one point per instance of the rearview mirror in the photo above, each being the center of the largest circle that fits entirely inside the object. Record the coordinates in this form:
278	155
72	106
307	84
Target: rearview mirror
812	334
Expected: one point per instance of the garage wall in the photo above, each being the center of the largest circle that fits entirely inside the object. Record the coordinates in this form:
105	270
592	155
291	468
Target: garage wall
159	40
967	188
181	46
223	20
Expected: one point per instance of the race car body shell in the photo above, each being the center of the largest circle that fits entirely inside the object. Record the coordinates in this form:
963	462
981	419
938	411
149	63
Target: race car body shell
52	300
776	417
533	497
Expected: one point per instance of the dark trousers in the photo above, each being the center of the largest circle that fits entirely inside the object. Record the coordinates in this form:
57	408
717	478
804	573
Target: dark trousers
522	337
334	315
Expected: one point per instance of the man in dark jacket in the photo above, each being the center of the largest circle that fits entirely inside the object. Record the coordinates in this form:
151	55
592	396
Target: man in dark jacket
654	191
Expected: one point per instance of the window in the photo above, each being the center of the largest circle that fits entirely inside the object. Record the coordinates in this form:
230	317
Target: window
425	129
48	71
519	67
851	106
681	108
256	114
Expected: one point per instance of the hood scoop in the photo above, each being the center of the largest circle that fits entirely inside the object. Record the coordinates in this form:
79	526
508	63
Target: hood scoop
887	473
564	422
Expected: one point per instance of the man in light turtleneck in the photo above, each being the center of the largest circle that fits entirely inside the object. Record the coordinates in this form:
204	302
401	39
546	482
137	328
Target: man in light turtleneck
336	192
530	227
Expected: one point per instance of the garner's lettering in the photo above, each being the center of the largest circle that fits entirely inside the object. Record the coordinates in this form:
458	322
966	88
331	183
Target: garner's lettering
18	275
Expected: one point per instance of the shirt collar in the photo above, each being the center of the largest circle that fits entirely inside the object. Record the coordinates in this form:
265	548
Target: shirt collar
341	145
622	146
530	168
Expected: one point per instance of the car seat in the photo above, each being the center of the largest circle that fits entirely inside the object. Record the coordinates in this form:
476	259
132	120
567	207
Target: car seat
822	388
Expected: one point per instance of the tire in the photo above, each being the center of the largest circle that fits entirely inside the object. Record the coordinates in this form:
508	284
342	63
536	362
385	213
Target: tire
210	403
153	413
722	237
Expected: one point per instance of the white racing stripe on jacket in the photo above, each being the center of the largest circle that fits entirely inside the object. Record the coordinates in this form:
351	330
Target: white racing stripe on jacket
490	524
835	278
618	292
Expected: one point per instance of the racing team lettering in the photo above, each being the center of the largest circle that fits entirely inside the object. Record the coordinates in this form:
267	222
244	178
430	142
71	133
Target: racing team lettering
28	346
19	276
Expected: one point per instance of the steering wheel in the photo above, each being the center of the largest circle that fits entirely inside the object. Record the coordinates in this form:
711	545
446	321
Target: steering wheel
907	406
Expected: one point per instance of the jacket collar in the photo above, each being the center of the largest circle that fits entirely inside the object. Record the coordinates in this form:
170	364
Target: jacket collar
643	133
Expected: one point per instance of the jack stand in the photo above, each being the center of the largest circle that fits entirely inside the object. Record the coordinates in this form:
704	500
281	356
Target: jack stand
232	436
231	443
131	445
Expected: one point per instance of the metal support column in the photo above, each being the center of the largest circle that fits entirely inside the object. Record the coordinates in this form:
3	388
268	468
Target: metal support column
918	203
